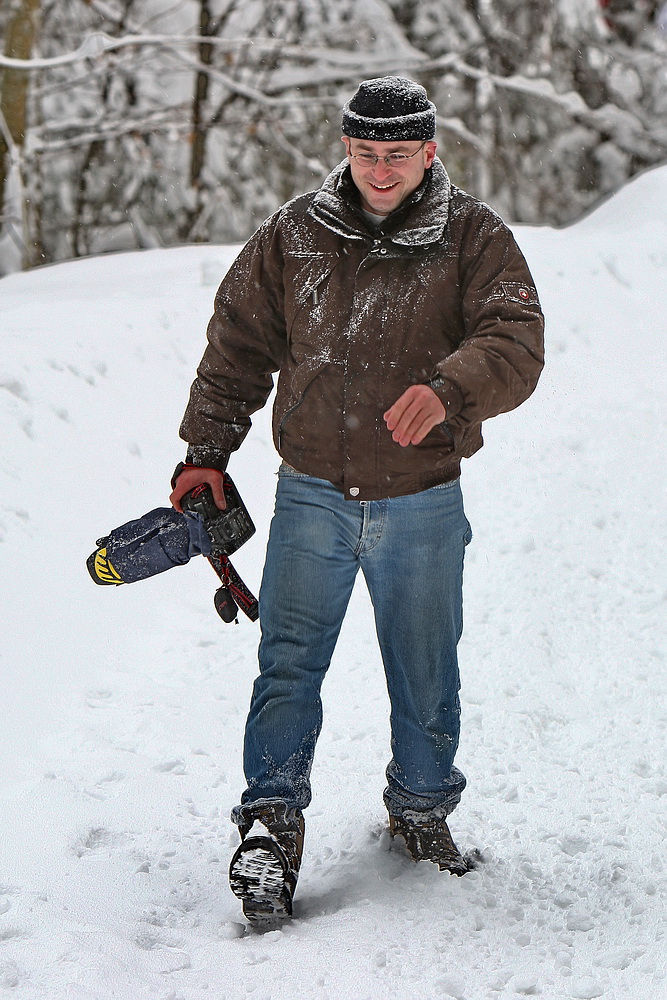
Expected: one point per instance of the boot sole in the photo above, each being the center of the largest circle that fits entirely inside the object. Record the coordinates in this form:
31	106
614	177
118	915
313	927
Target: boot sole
257	876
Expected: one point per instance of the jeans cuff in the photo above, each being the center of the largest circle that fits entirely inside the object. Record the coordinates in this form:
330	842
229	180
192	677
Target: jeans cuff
245	814
423	817
417	808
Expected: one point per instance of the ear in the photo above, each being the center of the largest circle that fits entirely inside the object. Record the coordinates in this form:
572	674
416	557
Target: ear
429	150
345	140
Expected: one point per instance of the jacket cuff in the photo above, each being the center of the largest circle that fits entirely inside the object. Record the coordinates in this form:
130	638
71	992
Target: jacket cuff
449	395
207	456
214	460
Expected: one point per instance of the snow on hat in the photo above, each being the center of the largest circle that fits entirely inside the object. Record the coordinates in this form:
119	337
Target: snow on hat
389	109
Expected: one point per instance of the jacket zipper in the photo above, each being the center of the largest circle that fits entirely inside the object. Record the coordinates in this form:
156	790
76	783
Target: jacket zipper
314	291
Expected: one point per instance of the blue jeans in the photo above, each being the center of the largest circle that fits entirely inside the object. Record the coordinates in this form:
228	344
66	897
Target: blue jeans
410	550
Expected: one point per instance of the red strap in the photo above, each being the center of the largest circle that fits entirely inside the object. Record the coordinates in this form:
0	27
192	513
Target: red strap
245	599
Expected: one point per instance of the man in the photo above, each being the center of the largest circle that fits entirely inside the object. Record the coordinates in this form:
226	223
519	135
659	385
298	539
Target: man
400	314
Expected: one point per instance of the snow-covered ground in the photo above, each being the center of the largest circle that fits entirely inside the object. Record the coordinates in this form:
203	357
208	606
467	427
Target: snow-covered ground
123	709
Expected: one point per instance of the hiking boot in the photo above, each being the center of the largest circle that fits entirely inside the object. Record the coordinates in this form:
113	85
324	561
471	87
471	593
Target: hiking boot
427	838
264	869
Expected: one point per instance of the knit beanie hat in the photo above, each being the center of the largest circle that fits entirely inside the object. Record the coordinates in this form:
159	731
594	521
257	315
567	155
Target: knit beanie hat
389	109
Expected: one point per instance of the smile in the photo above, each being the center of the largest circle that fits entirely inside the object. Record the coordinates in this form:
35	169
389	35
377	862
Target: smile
384	187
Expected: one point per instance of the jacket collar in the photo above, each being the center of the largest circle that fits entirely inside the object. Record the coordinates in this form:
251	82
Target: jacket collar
420	220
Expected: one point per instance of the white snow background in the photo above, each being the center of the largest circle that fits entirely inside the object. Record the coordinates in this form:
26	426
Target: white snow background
123	708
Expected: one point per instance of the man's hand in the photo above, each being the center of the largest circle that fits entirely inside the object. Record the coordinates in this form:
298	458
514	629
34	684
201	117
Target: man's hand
414	414
191	477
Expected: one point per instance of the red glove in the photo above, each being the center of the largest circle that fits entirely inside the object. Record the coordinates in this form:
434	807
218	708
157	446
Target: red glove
193	475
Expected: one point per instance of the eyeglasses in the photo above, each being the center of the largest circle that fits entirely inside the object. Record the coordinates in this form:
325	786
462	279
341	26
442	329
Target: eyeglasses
391	160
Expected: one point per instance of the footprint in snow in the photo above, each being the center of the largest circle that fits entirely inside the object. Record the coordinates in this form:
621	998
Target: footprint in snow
15	388
98	839
147	939
10	933
98	699
573	845
10	976
171	766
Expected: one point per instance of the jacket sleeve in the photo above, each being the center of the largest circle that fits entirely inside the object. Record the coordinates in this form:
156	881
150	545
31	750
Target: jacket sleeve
246	344
497	365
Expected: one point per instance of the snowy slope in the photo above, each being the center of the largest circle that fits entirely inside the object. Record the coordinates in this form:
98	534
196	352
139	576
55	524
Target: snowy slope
123	711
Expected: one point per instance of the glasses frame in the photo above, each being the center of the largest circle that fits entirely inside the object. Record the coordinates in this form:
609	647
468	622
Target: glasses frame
387	159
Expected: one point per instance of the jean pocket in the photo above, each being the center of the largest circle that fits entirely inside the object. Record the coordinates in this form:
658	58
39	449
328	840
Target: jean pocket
447	486
288	472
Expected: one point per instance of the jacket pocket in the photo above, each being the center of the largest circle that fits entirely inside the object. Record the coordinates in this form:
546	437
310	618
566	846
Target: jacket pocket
299	384
461	442
441	436
306	279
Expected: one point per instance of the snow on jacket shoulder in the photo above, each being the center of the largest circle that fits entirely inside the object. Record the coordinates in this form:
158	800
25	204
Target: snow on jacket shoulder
350	318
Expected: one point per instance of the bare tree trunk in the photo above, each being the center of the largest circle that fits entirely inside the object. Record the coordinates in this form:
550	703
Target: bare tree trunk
202	122
14	84
200	97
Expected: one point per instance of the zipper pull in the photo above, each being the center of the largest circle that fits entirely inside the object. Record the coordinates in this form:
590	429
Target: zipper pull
315	290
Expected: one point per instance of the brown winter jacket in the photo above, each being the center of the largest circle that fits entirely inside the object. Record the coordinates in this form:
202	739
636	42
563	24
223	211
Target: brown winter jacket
351	318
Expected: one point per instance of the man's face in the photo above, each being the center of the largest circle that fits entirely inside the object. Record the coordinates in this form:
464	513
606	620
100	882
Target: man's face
383	188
